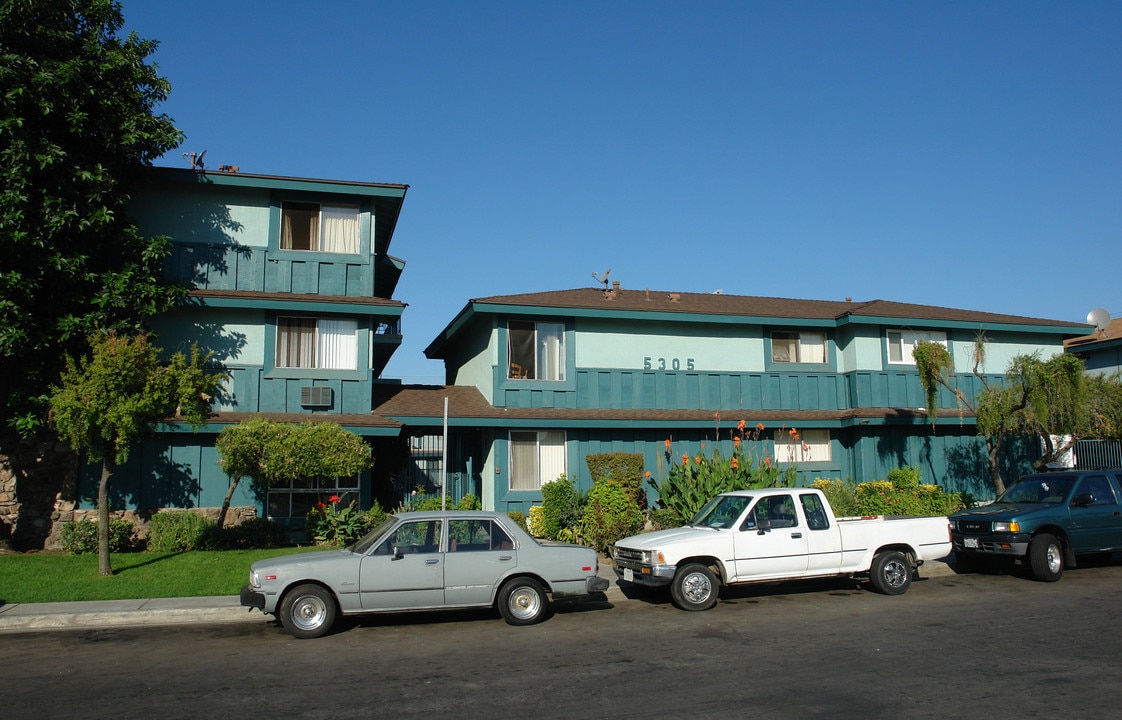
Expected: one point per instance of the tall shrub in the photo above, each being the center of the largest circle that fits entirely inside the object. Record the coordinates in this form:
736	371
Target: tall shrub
561	509
609	514
624	469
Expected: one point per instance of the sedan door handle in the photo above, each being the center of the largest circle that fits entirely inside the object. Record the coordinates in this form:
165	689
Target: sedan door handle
505	557
431	561
796	535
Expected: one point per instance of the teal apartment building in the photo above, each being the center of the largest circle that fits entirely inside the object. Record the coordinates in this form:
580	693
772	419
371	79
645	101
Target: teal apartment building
292	287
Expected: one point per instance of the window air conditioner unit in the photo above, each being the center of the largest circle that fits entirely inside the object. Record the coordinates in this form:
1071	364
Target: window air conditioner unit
315	396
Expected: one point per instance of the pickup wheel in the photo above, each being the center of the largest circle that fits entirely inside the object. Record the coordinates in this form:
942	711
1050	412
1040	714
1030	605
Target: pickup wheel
694	587
522	601
308	611
1046	558
891	572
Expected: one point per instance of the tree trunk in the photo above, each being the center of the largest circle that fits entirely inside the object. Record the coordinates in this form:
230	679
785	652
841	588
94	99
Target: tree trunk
226	502
103	565
995	470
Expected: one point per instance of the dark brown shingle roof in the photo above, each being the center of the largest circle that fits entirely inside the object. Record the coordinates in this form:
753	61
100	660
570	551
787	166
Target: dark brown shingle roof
750	306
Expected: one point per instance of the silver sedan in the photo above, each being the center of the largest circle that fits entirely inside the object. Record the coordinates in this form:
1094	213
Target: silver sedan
424	561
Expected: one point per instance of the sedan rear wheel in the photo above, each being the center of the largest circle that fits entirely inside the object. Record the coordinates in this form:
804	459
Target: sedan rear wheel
522	601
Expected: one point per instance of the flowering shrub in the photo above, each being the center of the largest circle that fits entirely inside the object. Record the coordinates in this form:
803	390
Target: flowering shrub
694	481
330	525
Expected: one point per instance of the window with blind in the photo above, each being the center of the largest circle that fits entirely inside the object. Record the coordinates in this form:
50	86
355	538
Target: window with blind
792	446
901	343
536	458
324	228
317	343
536	350
798	347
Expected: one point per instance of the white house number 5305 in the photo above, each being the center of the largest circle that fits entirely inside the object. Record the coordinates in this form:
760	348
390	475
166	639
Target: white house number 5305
666	364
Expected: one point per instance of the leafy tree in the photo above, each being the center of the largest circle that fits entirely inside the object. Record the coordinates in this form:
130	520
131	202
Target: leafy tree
105	402
272	453
77	125
1048	399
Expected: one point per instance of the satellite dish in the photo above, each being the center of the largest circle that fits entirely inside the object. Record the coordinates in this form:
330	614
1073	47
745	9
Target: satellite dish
1098	317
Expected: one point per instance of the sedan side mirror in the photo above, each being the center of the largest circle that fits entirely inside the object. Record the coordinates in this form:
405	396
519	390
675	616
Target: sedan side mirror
397	553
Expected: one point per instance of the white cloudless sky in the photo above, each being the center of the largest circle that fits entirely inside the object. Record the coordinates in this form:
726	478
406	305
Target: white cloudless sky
958	154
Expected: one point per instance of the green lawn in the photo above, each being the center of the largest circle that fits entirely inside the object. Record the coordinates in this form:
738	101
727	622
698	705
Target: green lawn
44	577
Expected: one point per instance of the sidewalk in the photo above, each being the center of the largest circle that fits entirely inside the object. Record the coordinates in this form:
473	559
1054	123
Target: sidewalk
219	609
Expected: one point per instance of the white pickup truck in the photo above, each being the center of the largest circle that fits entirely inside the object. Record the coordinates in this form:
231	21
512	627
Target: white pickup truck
777	534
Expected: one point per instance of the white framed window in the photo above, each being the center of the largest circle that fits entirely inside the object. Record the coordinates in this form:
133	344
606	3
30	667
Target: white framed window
901	343
536	350
536	458
793	446
325	228
798	347
293	499
317	343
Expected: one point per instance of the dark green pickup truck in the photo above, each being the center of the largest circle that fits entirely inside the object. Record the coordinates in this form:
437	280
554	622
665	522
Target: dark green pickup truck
1044	520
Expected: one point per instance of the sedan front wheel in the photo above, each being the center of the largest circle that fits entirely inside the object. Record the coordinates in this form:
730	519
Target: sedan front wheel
308	611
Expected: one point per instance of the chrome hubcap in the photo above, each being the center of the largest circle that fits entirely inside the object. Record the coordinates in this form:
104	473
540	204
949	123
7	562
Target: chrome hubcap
896	573
1054	559
524	603
696	588
308	613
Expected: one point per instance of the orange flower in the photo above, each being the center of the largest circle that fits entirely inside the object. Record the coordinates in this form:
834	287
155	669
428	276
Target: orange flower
742	424
667	443
736	441
647	474
792	432
805	447
685	459
767	461
697	459
735	464
759	426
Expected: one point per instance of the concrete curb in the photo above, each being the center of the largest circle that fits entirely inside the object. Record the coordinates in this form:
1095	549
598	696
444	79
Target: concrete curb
97	615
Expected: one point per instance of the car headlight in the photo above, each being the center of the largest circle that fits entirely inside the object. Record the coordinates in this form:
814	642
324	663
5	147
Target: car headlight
253	579
654	557
1011	526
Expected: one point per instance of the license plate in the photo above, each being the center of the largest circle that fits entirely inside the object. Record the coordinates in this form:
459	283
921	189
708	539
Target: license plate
629	575
970	542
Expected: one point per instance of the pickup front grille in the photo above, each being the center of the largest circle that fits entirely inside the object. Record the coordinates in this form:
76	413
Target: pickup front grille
629	554
974	527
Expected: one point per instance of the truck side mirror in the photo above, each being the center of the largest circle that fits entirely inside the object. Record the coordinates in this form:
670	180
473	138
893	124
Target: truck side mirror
763	524
1082	500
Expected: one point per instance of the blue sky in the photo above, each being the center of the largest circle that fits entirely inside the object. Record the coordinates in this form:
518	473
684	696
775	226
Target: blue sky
959	154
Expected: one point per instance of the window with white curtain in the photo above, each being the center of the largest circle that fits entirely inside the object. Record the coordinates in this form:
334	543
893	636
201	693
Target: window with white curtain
536	458
536	350
793	446
901	343
798	347
325	228
317	343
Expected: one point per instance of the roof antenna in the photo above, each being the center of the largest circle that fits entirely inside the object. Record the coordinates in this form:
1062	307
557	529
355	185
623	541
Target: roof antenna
196	161
602	279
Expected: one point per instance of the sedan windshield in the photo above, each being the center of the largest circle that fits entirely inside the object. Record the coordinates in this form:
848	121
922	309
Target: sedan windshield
1039	489
367	541
721	512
